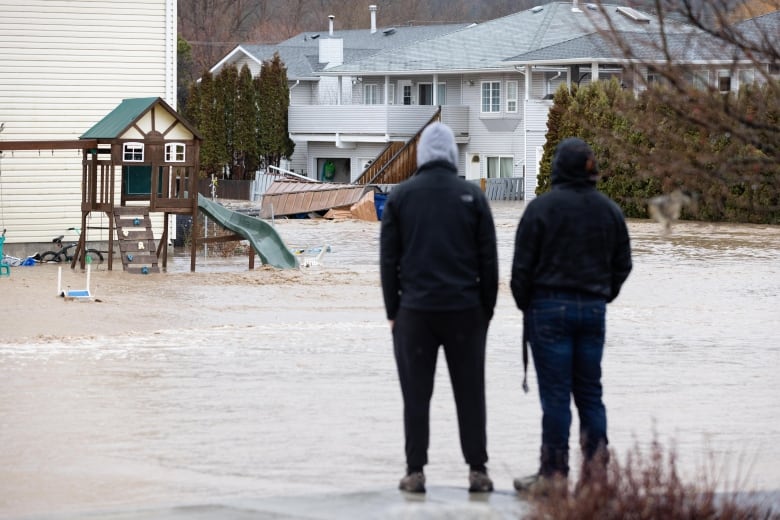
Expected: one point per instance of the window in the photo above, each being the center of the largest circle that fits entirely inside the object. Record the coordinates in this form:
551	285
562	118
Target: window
701	79
425	96
491	96
511	96
371	94
133	152
391	94
407	95
441	93
746	77
499	167
174	152
724	81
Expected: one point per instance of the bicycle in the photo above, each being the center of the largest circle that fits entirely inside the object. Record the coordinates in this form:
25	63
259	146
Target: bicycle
64	253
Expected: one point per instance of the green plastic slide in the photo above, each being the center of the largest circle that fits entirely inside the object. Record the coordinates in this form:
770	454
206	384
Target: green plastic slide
263	237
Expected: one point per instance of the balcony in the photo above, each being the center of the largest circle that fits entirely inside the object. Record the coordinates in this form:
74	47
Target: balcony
371	123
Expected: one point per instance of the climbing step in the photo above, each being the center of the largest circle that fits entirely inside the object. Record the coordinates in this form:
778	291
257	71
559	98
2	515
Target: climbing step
136	239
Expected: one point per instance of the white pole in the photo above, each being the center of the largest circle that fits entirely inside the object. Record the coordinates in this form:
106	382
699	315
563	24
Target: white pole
89	270
59	281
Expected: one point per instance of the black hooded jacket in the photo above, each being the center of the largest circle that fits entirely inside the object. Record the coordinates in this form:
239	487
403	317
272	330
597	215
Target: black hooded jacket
438	244
572	238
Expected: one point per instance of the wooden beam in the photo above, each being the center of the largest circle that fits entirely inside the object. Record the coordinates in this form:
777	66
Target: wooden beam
47	145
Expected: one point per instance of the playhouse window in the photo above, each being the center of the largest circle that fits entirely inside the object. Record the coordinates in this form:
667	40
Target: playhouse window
133	152
174	152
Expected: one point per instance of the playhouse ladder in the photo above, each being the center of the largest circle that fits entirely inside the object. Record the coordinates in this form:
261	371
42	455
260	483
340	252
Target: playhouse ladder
136	240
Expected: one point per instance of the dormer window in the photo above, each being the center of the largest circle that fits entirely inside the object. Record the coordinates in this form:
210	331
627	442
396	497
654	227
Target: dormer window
174	152
133	152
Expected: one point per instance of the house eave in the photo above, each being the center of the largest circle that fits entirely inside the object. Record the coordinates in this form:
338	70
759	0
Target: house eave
380	73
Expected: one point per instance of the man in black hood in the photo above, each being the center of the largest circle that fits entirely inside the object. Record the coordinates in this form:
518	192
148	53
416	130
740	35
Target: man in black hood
439	270
572	255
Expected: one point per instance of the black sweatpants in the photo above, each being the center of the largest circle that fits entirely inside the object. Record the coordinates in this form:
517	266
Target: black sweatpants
417	336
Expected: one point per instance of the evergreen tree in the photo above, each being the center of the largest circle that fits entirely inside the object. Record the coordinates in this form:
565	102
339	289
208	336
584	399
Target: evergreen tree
244	142
184	73
226	92
208	120
555	120
274	141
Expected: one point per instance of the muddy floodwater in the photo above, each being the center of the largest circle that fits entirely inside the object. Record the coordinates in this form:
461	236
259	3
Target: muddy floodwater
285	391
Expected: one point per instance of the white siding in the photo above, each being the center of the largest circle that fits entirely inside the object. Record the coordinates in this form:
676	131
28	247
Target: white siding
499	134
64	65
536	136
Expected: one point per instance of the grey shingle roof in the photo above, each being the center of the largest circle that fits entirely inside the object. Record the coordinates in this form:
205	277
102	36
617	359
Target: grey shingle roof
762	31
550	30
300	53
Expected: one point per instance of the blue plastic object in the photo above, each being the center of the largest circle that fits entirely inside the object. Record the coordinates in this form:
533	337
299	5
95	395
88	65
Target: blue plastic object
379	203
129	258
136	221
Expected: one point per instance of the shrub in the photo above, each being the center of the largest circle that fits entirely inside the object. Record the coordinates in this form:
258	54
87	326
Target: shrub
649	487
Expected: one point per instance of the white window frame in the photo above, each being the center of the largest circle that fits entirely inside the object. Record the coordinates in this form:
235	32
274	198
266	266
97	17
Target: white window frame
370	94
746	77
175	152
499	160
493	100
133	152
441	93
407	94
511	97
701	79
725	73
391	94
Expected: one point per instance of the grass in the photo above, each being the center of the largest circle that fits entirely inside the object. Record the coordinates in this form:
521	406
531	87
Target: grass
648	486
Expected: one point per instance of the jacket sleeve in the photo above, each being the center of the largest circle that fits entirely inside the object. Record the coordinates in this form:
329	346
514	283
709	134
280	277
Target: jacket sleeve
390	259
524	260
488	260
621	259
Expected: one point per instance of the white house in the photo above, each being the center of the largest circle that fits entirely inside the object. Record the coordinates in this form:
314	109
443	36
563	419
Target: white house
494	82
63	67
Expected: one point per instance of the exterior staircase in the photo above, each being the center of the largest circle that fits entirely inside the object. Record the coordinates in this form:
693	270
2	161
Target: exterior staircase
136	240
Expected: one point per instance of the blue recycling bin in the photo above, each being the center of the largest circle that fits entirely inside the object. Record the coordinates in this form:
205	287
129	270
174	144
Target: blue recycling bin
379	203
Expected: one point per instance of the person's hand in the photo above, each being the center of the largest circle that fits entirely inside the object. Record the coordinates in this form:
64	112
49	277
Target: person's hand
392	323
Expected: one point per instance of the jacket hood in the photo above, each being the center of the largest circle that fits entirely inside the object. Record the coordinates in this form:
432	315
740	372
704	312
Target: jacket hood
437	143
574	161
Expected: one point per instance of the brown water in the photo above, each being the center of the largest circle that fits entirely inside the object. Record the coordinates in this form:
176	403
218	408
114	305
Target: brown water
297	396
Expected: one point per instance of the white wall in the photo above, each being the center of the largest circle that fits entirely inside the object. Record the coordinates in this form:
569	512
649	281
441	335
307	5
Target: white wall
63	67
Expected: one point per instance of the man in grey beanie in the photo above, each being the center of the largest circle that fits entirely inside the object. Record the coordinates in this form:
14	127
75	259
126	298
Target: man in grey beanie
439	272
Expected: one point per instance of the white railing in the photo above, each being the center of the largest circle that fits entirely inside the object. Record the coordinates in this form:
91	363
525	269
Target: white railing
377	120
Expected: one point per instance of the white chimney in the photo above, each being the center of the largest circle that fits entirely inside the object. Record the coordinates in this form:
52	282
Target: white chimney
372	8
330	24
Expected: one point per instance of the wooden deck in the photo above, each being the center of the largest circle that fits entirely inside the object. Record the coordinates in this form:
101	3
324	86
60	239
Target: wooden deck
286	197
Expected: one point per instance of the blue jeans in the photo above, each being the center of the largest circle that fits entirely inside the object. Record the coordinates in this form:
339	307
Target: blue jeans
566	332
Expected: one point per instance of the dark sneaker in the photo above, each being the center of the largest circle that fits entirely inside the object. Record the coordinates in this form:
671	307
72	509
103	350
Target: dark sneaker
539	485
413	483
479	482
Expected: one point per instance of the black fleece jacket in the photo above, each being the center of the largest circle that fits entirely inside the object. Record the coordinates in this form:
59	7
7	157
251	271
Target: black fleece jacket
573	237
438	244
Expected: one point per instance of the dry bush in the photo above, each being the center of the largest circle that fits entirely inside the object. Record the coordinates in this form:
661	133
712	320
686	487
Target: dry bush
648	486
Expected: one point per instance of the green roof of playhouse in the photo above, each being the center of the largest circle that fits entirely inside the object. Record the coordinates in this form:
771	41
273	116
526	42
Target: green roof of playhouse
119	119
125	114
